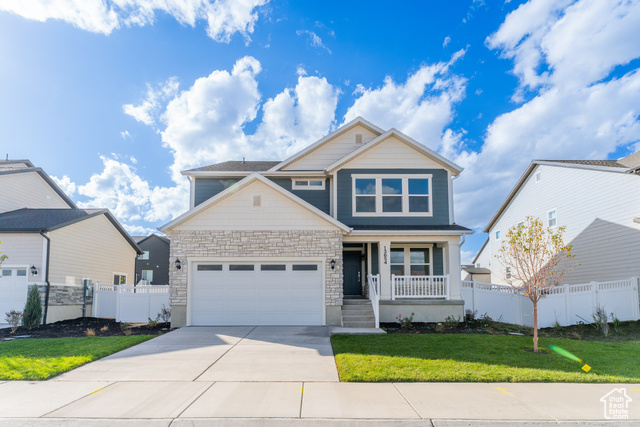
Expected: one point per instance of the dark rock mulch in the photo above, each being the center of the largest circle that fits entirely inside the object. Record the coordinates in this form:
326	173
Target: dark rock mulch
79	327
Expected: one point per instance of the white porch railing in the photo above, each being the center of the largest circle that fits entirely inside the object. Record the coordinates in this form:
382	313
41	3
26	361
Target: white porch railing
374	295
420	287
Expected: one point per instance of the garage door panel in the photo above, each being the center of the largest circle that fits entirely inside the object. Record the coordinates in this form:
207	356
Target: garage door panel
268	295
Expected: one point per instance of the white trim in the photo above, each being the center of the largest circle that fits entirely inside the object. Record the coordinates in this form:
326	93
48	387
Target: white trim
115	273
334	195
450	196
191	261
425	233
546	220
243	183
201	174
295	186
342	129
407	257
379	196
192	192
403	138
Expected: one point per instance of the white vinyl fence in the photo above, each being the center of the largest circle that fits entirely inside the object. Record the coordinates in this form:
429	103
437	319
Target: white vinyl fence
567	304
127	303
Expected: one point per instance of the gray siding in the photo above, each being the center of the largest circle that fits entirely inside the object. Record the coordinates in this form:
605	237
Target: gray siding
438	262
206	188
158	260
440	199
318	198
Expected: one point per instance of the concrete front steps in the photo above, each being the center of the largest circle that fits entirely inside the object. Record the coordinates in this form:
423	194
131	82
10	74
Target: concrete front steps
357	313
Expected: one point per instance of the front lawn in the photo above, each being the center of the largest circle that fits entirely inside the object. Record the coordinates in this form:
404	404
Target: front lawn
41	359
480	358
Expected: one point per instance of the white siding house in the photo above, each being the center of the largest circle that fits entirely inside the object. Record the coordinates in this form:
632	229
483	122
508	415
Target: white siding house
597	201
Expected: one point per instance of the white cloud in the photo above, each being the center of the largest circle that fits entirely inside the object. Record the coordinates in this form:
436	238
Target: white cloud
421	107
148	110
466	257
314	39
125	134
65	184
564	52
224	17
446	41
139	230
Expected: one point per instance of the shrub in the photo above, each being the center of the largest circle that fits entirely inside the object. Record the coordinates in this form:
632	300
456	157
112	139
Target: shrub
90	332
616	322
32	315
485	320
165	314
153	323
14	318
470	316
105	328
405	322
601	320
451	322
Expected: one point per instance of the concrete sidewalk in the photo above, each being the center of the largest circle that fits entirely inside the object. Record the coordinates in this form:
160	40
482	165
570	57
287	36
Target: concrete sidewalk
307	403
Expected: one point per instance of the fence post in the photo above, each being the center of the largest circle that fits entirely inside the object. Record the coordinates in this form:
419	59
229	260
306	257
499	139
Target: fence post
149	301
473	295
636	283
118	304
94	304
565	290
594	294
393	287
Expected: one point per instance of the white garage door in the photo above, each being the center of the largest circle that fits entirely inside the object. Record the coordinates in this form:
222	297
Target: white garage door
13	290
286	293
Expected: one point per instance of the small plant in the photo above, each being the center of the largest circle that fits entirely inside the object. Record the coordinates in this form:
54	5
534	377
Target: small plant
601	320
440	327
32	315
405	322
153	323
557	326
90	332
485	320
574	335
14	319
126	328
127	331
470	316
105	328
165	314
616	322
451	322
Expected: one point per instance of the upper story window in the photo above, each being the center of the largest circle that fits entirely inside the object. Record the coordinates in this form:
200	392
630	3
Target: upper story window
497	234
552	218
538	176
145	255
307	184
392	195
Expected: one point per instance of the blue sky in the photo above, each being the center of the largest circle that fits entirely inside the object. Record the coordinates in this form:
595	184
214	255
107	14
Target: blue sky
114	98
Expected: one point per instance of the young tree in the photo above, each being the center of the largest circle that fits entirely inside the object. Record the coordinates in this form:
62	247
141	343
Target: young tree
32	314
536	258
2	257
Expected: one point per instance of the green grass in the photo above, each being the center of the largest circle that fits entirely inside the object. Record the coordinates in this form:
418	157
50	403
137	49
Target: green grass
480	358
41	359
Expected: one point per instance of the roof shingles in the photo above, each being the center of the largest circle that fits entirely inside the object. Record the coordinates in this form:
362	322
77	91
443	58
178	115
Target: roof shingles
237	166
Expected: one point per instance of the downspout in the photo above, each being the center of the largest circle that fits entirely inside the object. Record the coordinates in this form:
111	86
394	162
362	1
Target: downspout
46	279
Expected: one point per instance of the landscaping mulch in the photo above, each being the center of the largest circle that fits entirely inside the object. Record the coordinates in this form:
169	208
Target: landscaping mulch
78	328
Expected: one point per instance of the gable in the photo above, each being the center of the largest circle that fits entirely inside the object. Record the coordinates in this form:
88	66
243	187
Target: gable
236	211
334	149
392	153
28	190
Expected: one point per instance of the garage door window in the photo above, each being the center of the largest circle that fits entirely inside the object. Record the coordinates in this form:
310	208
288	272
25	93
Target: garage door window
305	267
273	267
210	267
241	267
21	273
6	273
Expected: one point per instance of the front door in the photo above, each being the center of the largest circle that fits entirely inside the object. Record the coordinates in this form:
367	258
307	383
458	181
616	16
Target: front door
352	272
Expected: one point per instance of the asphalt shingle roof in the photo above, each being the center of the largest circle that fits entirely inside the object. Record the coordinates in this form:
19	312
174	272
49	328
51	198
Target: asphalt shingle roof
42	219
237	166
607	163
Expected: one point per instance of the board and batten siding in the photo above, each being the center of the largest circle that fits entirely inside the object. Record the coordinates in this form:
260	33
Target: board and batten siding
237	212
206	188
332	151
27	190
597	208
92	249
439	195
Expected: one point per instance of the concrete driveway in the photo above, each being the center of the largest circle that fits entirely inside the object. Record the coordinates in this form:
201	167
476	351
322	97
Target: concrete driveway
226	353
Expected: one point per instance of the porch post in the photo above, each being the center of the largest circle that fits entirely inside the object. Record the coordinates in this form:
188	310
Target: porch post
384	267
453	269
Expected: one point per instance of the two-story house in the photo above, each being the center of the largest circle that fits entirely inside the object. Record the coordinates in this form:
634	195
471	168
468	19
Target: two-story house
52	243
293	242
153	265
597	201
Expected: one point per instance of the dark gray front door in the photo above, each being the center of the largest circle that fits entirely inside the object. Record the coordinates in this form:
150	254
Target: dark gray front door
352	273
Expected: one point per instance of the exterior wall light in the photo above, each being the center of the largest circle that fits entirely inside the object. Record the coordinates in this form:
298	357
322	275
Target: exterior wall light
178	264
333	264
34	270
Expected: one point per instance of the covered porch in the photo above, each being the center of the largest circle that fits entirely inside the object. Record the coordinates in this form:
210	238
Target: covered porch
404	274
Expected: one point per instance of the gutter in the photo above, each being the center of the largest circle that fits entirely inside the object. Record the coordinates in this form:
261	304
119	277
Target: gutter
46	278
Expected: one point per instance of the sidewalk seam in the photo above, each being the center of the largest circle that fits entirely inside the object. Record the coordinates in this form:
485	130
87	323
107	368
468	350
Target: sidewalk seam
223	354
192	402
74	401
409	403
301	399
536	408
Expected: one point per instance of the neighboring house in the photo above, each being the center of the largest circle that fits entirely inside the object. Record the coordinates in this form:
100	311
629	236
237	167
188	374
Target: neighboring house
153	265
598	201
293	241
479	274
52	243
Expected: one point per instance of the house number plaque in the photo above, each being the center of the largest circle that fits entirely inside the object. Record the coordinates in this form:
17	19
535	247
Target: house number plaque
384	254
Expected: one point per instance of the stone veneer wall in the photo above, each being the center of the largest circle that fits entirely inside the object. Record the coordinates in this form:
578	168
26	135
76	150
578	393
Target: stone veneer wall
63	295
278	243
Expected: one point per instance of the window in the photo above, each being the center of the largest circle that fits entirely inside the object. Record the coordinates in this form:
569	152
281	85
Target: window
507	273
6	273
305	267
273	267
119	279
241	267
147	275
308	184
497	234
410	261
209	267
21	273
145	255
552	219
392	195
